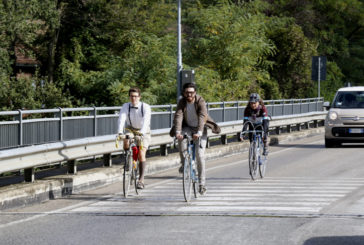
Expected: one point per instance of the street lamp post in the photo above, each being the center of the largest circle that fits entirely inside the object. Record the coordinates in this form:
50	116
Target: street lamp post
179	51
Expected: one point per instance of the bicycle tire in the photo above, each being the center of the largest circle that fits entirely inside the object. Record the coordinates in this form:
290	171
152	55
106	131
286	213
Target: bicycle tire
136	177
127	174
262	160
195	183
253	161
187	180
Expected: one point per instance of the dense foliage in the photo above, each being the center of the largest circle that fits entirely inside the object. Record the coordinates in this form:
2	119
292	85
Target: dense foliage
90	52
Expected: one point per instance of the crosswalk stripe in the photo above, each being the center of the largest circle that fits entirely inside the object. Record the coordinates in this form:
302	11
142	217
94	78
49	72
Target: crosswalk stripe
230	197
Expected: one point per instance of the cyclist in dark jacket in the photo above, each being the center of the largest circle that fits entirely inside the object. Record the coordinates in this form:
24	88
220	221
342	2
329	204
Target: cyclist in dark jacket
257	113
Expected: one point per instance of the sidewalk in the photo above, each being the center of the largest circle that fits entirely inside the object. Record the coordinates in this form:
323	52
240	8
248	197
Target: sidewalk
48	188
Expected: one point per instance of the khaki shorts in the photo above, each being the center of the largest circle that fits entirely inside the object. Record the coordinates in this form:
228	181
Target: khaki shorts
146	138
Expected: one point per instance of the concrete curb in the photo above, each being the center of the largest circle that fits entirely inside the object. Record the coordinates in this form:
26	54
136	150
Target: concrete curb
23	194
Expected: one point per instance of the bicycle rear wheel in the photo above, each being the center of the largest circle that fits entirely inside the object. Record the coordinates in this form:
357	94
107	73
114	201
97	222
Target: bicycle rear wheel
136	177
253	168
187	180
127	174
195	179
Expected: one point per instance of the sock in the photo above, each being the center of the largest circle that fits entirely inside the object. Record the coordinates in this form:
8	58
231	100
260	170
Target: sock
141	170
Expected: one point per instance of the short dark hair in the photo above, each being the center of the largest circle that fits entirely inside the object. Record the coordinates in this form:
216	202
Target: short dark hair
189	85
134	90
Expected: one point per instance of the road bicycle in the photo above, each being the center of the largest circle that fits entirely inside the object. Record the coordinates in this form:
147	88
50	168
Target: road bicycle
131	164
190	173
257	161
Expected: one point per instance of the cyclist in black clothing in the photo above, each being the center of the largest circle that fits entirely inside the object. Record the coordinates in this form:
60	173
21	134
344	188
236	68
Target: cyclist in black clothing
257	113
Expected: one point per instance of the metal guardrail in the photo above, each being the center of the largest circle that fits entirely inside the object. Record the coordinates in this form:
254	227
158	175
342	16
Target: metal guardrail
33	127
28	158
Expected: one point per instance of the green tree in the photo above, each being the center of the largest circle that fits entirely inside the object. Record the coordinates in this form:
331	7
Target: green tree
292	60
228	44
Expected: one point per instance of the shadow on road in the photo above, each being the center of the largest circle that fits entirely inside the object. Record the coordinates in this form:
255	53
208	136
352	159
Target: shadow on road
308	146
335	240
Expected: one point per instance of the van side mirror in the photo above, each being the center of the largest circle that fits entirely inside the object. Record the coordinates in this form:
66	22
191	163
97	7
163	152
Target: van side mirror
326	105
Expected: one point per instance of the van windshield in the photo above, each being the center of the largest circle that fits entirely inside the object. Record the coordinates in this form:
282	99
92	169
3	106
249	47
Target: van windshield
349	99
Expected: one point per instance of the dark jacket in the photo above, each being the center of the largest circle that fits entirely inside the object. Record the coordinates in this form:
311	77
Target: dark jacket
203	118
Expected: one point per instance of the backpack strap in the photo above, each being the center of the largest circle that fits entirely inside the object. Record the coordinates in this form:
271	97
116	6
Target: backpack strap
129	116
142	108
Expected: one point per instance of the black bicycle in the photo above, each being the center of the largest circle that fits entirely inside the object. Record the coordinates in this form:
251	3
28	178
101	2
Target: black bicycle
257	161
131	165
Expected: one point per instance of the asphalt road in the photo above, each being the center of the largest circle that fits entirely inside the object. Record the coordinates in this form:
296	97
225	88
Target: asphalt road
311	195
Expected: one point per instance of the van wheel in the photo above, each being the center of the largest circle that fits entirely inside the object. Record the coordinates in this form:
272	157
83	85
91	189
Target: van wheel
329	143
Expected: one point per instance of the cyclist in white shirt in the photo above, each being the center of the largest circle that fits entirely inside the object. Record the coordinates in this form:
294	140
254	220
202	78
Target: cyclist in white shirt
134	118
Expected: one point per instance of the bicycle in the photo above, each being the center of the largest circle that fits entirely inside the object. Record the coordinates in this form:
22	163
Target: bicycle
256	158
131	164
190	173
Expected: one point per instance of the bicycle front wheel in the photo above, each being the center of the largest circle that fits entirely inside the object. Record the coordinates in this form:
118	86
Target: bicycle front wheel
253	168
187	180
128	168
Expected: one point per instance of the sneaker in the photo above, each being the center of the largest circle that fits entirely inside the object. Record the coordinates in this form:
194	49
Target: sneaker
140	185
180	170
202	190
126	167
265	151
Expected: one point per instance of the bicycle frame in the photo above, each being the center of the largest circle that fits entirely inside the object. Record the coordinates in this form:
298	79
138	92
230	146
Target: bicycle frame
191	150
190	176
256	158
131	162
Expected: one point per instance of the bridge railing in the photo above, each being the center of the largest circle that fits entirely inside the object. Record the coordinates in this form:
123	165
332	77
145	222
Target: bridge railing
30	157
33	127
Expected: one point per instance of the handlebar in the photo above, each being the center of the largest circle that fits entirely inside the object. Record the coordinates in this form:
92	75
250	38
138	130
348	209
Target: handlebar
129	136
137	138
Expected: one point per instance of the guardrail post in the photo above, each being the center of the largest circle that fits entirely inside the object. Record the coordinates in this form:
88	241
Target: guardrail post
60	124
164	150
298	127
72	166
278	130
223	139
29	175
107	160
237	110
170	115
95	121
223	111
20	131
315	124
289	129
307	124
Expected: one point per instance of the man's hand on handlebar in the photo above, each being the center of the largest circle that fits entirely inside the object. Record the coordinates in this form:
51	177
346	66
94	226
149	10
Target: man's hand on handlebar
196	136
